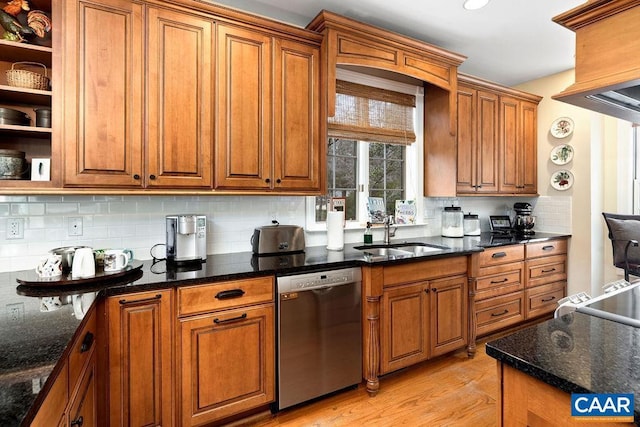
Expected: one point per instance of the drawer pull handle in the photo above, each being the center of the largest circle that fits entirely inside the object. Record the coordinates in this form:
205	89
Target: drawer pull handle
500	314
231	293
77	422
124	301
86	342
233	319
551	298
549	271
500	281
499	255
548	248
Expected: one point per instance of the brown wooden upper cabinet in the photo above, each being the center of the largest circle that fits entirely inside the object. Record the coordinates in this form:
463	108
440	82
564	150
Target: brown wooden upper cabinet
497	139
268	134
122	88
477	168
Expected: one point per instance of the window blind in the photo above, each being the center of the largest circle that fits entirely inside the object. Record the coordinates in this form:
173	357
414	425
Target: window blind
367	113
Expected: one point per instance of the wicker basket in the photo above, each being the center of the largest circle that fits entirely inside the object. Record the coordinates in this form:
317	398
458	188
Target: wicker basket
27	79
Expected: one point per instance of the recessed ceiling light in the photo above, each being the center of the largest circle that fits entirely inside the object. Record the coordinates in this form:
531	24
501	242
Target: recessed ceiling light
475	4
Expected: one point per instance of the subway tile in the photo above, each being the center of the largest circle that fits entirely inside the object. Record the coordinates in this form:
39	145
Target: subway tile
61	208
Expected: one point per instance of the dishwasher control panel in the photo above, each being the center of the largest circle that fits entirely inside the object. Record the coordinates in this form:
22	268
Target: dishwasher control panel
321	279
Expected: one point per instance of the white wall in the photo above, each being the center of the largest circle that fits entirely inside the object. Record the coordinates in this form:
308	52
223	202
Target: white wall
602	170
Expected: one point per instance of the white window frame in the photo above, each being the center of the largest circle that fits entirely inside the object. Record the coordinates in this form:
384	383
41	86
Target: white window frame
414	159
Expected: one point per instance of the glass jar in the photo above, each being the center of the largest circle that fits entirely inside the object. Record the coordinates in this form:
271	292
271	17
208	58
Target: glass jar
471	225
452	222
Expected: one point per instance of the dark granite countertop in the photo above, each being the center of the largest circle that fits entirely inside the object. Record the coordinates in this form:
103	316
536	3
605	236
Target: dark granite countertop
576	353
33	340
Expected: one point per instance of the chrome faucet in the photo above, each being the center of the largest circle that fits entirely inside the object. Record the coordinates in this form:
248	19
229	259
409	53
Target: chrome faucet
388	232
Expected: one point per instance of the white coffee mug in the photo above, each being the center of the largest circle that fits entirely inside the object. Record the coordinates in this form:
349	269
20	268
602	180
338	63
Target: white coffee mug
83	263
116	259
50	266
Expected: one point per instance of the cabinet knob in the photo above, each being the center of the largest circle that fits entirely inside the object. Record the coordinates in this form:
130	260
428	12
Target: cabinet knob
434	289
152	177
136	176
426	291
77	422
278	181
268	180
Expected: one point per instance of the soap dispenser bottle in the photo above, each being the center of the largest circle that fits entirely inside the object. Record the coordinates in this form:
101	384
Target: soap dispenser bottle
368	237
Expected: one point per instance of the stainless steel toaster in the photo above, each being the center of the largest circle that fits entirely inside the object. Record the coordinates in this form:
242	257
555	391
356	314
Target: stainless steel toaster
277	239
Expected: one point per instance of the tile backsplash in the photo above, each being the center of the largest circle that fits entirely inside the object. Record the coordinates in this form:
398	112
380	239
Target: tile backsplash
137	222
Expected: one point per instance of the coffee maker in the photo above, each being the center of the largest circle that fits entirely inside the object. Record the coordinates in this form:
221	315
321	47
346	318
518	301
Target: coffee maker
186	238
524	220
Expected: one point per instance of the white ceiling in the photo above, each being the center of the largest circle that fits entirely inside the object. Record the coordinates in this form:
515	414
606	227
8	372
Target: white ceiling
508	42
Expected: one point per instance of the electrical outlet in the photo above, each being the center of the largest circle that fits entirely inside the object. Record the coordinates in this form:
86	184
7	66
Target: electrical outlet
15	312
15	228
75	226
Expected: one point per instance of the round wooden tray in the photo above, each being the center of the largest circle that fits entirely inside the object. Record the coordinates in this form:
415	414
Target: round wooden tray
31	278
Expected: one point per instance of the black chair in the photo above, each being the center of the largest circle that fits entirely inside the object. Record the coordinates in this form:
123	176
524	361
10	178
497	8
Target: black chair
624	232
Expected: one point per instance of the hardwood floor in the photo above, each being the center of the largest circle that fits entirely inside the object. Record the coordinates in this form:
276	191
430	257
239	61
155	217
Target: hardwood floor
449	391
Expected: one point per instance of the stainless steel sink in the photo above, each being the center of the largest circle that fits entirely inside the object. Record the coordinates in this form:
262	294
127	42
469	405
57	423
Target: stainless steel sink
423	249
379	252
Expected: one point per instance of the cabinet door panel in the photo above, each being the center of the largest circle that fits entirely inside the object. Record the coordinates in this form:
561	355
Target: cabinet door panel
180	99
467	149
140	353
509	149
103	94
529	160
405	327
487	140
449	330
227	363
243	145
83	409
296	116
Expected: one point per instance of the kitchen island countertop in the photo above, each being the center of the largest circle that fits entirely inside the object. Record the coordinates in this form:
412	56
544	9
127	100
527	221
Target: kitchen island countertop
33	340
576	353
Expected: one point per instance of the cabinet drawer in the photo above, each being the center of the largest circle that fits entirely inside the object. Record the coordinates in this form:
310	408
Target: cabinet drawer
217	296
82	347
500	280
546	270
496	313
551	247
501	255
544	299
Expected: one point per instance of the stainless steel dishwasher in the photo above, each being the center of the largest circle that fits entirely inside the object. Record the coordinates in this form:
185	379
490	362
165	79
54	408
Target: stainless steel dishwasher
319	334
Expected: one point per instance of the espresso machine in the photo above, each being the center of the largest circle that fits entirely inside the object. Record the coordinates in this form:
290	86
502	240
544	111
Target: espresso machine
524	220
186	238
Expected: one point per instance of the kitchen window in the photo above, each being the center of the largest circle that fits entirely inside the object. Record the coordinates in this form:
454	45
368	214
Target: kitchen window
371	149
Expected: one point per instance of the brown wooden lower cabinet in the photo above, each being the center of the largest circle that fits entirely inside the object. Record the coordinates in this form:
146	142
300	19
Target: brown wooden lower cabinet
528	401
515	283
226	364
140	327
419	318
226	349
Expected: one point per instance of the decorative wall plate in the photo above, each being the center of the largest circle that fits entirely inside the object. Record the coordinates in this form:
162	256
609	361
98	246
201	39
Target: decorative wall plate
562	154
562	127
562	180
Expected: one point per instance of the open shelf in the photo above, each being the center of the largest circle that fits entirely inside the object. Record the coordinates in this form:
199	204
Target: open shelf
25	131
23	96
17	52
